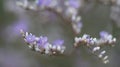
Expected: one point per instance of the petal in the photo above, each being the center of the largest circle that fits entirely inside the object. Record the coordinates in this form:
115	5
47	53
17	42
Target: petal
58	42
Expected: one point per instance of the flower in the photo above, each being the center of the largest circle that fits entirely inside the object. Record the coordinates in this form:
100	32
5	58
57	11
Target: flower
58	42
16	26
12	31
73	3
107	37
44	2
42	41
103	34
58	46
30	38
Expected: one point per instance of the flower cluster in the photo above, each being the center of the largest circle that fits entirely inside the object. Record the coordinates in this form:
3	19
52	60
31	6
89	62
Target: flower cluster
105	39
95	44
47	3
68	11
41	44
71	12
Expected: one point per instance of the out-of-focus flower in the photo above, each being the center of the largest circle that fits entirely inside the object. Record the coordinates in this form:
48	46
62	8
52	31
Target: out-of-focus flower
73	3
103	34
42	41
106	38
12	31
77	27
115	12
58	42
19	25
67	11
30	38
44	2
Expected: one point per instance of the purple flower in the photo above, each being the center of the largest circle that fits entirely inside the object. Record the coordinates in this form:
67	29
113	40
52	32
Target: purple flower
74	3
42	41
12	31
58	42
103	34
20	24
44	2
30	38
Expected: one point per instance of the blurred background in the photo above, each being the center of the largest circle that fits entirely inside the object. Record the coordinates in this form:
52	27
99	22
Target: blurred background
97	15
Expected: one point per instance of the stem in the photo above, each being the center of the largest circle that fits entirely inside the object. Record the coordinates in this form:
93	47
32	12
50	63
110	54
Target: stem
59	14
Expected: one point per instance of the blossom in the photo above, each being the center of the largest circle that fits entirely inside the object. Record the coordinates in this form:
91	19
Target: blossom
58	42
42	41
12	31
73	3
44	2
20	24
107	37
103	34
58	46
30	38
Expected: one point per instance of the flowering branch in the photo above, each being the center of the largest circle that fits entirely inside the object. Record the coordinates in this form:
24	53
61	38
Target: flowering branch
41	44
70	12
95	45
